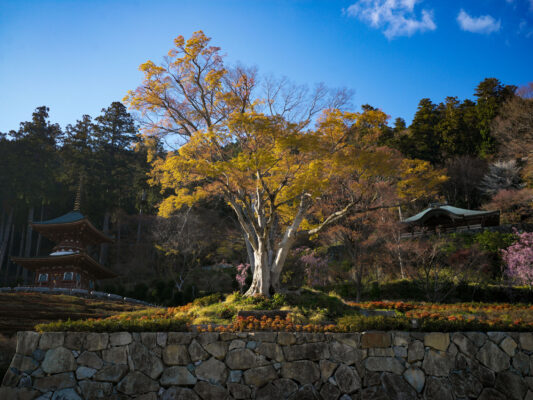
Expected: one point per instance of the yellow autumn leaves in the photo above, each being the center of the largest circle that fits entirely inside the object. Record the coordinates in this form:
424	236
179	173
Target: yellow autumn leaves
231	147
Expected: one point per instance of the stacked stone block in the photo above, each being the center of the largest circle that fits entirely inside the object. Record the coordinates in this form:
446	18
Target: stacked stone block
270	365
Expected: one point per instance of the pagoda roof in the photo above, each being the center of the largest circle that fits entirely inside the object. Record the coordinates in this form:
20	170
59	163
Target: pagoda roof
81	260
72	216
452	212
70	220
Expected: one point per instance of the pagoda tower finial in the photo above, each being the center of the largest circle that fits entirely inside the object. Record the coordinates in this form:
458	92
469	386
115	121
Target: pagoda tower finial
77	202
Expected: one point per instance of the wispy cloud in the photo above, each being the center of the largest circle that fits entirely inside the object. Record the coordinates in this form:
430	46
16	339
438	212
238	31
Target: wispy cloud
393	17
483	24
525	29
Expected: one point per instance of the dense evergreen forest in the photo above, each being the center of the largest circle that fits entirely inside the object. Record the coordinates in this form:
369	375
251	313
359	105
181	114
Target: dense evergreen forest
483	145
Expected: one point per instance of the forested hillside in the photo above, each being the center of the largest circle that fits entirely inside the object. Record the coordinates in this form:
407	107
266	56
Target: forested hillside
483	145
43	166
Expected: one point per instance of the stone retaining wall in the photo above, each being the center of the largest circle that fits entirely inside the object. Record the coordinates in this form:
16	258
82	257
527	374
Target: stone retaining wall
270	365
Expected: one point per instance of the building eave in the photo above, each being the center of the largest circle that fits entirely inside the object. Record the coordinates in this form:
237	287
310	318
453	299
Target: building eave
49	229
81	260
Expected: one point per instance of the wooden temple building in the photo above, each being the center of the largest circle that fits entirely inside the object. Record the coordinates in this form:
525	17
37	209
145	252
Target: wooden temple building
68	265
443	218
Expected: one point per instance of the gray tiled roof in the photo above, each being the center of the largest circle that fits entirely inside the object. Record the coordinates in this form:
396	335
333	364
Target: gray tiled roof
458	212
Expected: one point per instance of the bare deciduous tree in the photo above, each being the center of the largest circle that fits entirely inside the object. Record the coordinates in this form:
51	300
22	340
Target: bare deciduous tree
502	175
439	270
515	205
189	239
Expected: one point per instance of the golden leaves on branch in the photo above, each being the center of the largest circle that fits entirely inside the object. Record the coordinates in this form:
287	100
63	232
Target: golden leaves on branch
419	179
229	148
187	92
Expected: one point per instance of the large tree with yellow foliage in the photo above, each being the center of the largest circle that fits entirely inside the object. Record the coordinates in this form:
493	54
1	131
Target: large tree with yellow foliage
260	151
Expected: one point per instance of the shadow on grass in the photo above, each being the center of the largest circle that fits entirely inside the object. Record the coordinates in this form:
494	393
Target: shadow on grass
410	290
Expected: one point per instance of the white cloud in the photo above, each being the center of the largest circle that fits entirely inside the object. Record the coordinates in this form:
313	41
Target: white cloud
482	24
394	17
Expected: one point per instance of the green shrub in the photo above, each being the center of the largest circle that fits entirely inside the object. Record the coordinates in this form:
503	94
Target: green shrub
494	242
309	300
275	302
115	325
410	290
360	323
208	300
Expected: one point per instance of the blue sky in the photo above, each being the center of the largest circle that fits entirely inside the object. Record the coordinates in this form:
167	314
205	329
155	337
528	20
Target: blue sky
77	56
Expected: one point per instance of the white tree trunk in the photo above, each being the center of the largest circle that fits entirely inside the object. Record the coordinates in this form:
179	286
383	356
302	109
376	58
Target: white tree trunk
261	275
250	253
269	252
285	246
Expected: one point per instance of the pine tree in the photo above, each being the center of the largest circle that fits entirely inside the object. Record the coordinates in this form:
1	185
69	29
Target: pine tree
490	94
423	142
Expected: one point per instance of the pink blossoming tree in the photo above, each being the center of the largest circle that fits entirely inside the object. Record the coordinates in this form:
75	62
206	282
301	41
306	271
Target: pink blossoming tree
242	274
315	267
519	259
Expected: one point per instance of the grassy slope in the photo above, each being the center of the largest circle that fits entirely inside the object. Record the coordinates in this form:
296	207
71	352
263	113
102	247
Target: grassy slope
22	311
311	309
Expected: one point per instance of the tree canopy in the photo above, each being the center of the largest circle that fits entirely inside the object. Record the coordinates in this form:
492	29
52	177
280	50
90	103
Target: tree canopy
270	169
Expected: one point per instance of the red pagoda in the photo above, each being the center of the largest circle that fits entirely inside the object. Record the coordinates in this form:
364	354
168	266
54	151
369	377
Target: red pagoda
69	265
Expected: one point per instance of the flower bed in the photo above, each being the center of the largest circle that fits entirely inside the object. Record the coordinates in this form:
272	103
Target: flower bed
461	316
409	316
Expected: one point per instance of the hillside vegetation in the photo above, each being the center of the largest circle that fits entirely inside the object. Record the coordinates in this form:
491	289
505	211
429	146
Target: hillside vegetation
309	310
21	311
